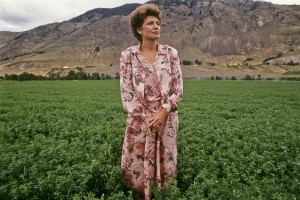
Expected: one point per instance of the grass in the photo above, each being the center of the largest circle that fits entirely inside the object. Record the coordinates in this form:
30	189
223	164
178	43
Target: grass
293	73
63	140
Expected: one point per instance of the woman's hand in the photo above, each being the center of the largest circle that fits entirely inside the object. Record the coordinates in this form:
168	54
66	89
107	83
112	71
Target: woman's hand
158	119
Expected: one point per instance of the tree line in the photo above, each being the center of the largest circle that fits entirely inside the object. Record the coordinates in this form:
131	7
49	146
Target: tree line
72	75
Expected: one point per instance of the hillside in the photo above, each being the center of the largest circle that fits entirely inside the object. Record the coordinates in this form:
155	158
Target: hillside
226	36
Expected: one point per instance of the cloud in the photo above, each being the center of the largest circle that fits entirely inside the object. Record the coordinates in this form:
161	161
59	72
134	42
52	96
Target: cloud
21	15
12	22
285	2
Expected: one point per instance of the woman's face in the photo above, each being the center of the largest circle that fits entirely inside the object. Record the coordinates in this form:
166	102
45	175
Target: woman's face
150	29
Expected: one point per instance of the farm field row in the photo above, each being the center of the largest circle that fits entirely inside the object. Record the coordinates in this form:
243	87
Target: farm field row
63	140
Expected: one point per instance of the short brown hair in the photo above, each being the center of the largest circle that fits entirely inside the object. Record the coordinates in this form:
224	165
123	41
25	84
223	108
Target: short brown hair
138	16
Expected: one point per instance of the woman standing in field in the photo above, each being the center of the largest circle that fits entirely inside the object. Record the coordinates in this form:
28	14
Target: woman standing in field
151	86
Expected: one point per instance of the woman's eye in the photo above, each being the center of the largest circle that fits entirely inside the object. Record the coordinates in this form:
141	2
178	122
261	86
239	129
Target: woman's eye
151	23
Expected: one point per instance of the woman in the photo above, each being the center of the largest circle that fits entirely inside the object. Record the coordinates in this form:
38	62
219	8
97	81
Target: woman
151	86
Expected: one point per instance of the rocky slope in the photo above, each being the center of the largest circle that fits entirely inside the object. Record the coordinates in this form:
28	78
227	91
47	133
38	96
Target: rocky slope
223	32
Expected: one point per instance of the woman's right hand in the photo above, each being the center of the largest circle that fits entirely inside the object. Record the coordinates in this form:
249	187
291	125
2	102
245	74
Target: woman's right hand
158	119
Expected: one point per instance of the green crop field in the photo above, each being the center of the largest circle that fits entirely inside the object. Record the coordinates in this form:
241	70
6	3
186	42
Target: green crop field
63	140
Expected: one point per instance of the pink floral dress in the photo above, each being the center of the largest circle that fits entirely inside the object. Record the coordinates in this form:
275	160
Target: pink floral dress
149	154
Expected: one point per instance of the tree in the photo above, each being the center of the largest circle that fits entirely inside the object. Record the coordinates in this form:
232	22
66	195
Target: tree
197	62
81	75
71	75
94	76
117	76
107	77
25	76
258	77
186	62
12	77
102	77
247	77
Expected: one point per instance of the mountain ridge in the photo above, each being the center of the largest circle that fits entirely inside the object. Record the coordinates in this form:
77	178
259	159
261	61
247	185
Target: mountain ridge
224	32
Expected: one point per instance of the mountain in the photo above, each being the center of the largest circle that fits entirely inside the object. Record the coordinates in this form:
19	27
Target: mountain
6	36
223	35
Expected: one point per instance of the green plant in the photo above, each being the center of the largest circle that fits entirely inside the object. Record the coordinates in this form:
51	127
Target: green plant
63	140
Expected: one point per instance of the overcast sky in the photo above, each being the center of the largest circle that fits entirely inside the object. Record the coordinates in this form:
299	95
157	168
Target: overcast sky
22	15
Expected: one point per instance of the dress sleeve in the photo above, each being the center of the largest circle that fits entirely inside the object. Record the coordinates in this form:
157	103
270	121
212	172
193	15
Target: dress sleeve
176	84
131	103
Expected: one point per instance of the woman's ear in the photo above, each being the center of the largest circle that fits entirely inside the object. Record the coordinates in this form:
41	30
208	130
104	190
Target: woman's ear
139	31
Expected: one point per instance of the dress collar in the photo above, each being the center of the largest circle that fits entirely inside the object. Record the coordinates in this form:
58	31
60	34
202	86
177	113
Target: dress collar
162	49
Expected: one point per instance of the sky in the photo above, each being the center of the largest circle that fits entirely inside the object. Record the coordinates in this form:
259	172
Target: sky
22	15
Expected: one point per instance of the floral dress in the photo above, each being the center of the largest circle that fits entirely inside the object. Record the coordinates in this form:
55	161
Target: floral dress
149	154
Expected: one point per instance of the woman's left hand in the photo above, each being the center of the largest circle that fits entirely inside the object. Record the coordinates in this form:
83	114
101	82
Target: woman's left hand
158	119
